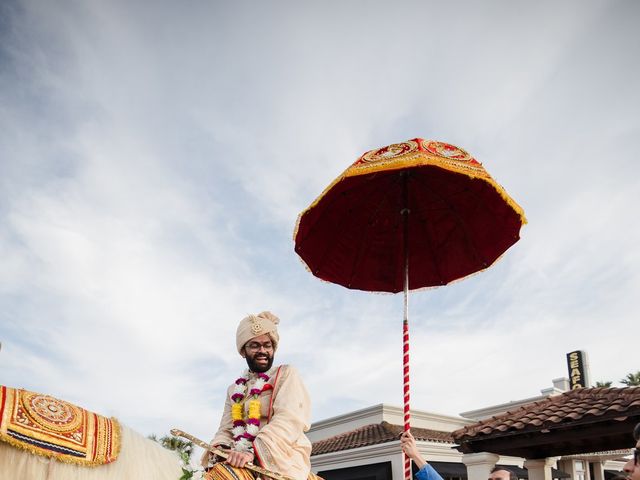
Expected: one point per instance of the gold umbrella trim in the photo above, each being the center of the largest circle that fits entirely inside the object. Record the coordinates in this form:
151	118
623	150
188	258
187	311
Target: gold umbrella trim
419	153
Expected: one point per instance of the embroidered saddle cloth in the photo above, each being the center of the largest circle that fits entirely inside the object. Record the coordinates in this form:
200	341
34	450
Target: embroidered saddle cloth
57	429
223	471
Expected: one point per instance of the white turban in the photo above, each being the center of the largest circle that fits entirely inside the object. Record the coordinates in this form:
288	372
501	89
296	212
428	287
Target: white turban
255	325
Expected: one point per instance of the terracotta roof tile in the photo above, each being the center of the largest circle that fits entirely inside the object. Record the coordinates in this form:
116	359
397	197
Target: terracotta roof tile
576	405
375	434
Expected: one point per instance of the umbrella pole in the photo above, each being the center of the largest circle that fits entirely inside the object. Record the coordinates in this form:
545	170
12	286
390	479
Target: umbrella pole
405	321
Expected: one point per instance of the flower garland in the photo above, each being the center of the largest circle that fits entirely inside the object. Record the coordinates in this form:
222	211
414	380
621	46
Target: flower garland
245	430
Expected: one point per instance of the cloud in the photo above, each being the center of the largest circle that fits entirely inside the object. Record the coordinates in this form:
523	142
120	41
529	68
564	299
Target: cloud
155	158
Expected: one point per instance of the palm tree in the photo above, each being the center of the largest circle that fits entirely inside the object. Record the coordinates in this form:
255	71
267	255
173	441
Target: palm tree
632	379
603	384
184	448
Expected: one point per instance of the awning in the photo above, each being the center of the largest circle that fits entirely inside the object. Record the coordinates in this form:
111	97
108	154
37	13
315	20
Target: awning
601	420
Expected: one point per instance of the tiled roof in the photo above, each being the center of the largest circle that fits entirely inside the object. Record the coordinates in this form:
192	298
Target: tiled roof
575	407
375	434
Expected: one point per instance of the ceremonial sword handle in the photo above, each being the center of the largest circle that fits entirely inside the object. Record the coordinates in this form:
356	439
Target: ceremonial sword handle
179	433
216	451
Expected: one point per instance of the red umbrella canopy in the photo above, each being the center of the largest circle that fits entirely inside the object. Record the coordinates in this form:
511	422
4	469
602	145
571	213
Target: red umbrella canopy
459	219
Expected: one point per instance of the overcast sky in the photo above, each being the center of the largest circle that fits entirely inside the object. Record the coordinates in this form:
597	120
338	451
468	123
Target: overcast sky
154	157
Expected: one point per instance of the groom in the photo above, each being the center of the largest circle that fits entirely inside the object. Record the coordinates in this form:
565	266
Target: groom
267	409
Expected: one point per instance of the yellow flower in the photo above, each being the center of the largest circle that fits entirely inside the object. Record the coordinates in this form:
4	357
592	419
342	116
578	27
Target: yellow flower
254	409
236	411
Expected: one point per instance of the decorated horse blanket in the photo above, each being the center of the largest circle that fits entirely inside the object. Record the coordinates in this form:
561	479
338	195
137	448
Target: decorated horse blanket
224	471
57	429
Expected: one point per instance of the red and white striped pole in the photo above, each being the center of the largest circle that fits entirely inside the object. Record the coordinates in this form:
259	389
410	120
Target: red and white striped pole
405	321
407	414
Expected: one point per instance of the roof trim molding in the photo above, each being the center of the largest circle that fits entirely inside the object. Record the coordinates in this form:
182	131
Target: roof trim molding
385	411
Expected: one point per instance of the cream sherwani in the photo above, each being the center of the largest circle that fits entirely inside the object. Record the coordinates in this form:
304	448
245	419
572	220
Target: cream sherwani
285	409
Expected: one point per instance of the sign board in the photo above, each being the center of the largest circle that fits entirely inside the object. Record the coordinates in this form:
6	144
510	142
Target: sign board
578	369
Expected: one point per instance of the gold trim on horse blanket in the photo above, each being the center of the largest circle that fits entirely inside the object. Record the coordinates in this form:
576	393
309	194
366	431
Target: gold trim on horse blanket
53	428
224	471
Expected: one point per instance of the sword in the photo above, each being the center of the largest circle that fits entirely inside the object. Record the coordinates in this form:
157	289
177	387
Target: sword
250	466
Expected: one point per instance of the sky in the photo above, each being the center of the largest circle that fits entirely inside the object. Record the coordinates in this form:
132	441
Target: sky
154	157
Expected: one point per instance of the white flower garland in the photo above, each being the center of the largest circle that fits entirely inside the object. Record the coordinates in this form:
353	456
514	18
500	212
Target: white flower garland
245	429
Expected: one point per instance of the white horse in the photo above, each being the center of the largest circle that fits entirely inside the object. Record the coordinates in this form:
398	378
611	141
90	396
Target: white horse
139	459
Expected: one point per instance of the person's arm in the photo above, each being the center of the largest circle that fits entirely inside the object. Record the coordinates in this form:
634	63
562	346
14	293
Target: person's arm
291	418
427	472
410	449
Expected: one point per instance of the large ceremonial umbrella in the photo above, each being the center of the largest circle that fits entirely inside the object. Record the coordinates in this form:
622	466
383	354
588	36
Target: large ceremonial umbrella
410	215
